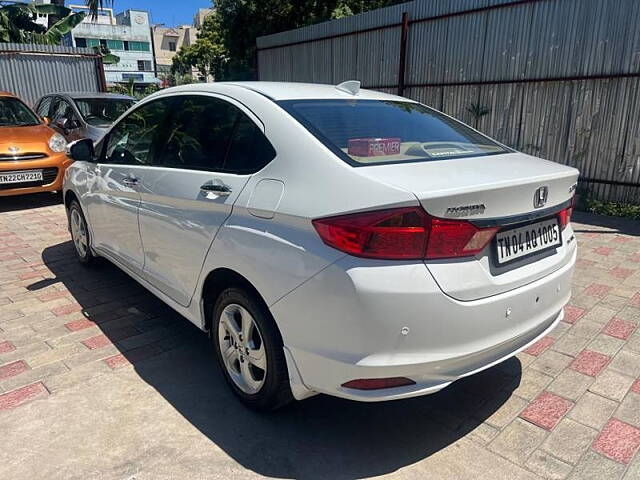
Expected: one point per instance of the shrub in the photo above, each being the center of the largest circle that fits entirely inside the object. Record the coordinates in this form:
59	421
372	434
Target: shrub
614	209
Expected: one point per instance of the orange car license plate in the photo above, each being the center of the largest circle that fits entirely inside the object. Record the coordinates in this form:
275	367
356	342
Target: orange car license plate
21	176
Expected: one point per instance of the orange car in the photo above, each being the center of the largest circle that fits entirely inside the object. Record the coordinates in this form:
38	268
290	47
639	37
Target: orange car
32	155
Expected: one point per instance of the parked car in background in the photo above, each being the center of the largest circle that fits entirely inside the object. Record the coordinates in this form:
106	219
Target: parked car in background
83	115
32	155
330	239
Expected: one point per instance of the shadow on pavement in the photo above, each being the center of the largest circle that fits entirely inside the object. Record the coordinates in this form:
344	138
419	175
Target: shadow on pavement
604	224
322	437
27	202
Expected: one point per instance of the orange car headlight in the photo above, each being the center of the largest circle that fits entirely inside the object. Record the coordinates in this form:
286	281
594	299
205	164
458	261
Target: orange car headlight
57	143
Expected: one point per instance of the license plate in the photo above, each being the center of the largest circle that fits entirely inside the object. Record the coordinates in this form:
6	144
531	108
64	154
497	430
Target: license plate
522	241
21	177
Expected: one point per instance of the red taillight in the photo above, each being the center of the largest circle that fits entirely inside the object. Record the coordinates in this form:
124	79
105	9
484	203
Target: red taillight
378	383
403	233
394	234
565	215
457	238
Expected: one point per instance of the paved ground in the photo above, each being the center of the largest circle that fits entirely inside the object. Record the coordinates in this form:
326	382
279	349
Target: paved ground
98	379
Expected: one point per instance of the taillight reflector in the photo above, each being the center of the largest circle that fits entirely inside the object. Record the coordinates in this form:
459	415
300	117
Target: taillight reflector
403	233
378	383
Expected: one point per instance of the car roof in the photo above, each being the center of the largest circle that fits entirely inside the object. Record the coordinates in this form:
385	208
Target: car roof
6	94
78	95
287	90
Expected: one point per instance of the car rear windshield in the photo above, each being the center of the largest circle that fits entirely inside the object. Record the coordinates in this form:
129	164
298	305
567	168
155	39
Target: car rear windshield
14	113
372	132
102	112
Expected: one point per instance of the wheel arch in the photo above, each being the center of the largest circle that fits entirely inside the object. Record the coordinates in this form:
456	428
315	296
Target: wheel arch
216	282
69	197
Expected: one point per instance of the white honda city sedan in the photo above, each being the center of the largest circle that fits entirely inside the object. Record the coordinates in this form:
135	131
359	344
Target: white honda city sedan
329	239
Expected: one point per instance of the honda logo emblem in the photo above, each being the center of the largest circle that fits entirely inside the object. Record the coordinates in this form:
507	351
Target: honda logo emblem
540	197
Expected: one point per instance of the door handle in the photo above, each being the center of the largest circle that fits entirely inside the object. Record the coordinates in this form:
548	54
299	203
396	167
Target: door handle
217	188
130	181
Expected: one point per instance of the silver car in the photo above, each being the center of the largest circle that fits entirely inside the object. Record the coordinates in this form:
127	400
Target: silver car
83	115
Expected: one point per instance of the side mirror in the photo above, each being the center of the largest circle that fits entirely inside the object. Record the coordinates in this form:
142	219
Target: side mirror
62	123
46	120
81	150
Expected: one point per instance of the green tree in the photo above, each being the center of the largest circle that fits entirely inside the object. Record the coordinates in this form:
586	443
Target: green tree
18	25
94	7
226	44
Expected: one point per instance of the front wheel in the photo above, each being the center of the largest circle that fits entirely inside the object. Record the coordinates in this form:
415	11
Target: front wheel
80	234
250	351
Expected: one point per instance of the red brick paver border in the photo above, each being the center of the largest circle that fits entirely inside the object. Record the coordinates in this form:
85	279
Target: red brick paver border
618	441
590	363
623	273
619	328
546	410
22	395
6	347
540	346
573	314
66	309
133	356
603	250
98	341
79	325
597	290
12	369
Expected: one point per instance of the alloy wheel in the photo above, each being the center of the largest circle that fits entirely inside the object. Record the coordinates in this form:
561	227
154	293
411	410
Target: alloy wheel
79	233
242	348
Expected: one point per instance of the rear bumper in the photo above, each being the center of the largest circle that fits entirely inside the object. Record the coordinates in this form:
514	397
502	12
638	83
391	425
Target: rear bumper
346	323
60	162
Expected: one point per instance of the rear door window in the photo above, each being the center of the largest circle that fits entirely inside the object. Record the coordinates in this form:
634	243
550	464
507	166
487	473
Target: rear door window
372	132
198	134
249	150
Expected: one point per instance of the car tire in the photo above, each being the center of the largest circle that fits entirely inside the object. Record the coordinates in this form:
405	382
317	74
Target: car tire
253	364
80	235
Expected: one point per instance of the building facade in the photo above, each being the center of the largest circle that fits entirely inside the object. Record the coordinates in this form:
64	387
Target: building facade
127	35
43	18
199	17
166	43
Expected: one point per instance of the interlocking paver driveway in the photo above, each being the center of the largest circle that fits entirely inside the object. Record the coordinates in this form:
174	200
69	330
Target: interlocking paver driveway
98	379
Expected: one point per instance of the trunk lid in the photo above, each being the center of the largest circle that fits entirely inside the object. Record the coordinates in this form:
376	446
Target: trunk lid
499	188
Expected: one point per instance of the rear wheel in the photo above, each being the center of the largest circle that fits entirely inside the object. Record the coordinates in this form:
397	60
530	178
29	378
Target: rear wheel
250	351
80	234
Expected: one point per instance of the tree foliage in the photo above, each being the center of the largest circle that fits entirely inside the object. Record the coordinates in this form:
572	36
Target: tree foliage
94	7
18	23
226	45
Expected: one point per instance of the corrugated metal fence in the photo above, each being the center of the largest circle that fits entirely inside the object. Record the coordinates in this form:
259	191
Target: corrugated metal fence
561	78
31	71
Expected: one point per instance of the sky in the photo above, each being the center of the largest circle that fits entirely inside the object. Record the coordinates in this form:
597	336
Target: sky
170	12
